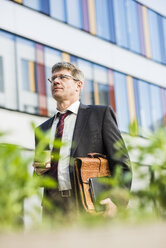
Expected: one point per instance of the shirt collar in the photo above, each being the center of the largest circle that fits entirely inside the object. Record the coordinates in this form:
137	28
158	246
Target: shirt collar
73	108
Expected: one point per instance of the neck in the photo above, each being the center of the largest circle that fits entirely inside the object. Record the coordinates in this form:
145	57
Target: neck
62	106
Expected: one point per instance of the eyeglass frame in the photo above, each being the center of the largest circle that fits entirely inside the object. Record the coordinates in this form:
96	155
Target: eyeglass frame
62	76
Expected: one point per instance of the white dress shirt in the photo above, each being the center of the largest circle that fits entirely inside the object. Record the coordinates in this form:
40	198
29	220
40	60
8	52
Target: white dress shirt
63	163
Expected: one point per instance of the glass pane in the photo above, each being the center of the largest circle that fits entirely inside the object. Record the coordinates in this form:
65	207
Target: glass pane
133	26
102	19
156	104
103	94
57	9
137	100
48	84
87	94
121	23
74	13
161	35
164	38
34	4
145	105
121	100
111	20
25	74
44	6
8	84
1	75
154	35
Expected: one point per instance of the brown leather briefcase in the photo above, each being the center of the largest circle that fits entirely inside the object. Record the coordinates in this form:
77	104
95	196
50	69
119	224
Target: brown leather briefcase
95	165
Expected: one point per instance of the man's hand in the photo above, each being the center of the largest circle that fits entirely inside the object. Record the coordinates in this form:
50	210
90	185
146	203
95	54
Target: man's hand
41	168
111	208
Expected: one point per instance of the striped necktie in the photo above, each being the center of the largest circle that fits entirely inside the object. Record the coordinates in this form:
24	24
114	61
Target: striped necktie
56	150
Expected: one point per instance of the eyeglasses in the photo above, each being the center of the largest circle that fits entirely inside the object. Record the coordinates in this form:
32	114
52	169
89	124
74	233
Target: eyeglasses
62	77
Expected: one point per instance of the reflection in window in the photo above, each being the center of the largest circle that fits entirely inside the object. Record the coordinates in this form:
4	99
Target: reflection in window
121	100
87	94
103	94
44	6
34	4
137	100
48	84
145	105
156	106
57	9
102	21
164	37
121	23
154	35
1	75
28	75
25	74
133	26
74	13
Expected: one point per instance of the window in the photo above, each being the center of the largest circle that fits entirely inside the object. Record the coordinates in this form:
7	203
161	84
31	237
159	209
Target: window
25	74
103	94
154	35
137	100
102	19
8	84
1	75
44	6
133	26
101	89
48	84
87	93
164	38
162	41
121	100
145	105
74	13
57	9
34	4
156	106
121	23
85	15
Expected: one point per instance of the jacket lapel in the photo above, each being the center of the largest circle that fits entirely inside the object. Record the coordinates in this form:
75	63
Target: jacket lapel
82	117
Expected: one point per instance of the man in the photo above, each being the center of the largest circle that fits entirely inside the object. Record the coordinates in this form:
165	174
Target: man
86	129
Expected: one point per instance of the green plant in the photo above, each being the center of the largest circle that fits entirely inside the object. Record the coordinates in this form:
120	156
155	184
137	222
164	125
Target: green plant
16	184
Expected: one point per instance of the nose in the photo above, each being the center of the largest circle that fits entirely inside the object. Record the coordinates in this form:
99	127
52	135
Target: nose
56	80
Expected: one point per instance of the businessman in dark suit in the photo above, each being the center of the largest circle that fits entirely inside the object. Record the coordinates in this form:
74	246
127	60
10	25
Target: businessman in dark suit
86	129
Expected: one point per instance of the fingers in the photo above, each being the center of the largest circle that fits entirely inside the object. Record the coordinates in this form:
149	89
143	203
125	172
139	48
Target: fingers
111	208
41	168
40	171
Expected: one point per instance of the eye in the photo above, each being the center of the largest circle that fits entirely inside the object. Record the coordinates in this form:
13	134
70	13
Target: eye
63	76
53	78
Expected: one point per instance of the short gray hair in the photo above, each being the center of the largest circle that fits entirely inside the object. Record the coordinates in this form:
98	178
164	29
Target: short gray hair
75	71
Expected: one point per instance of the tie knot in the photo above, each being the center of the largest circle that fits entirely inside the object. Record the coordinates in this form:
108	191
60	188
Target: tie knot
63	116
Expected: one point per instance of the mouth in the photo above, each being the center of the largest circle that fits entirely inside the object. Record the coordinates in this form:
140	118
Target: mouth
55	89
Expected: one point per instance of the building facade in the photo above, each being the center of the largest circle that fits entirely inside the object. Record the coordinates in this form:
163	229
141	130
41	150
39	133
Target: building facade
119	44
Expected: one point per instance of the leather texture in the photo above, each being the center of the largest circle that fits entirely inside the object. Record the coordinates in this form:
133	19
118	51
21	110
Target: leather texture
95	165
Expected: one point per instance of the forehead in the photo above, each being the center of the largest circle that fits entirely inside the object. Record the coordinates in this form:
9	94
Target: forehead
61	71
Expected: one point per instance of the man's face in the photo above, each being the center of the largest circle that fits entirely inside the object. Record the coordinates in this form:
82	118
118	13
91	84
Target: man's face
64	87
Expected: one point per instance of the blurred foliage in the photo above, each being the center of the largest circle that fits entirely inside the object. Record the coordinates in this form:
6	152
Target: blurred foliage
147	201
150	154
17	184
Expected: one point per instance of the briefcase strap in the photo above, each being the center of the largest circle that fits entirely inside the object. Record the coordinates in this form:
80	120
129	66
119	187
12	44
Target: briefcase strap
96	155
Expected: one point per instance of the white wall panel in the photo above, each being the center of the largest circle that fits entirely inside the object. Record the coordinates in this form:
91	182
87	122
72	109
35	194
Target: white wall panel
20	131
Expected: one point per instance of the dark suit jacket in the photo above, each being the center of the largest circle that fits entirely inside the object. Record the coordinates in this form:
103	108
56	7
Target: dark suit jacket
95	131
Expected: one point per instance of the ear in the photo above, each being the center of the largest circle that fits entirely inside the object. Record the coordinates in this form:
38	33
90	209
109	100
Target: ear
79	85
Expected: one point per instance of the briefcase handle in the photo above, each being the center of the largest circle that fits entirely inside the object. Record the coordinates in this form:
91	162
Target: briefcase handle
96	155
